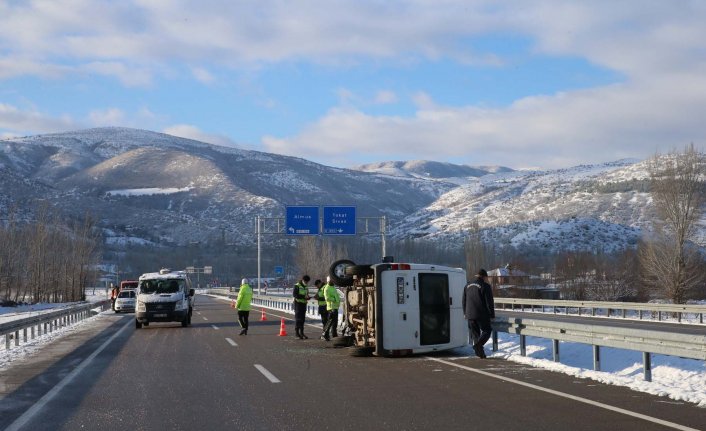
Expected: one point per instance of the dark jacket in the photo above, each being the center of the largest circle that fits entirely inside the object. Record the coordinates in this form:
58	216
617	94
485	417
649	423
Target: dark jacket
478	301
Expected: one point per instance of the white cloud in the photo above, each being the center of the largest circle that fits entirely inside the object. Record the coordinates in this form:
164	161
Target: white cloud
107	117
552	131
192	132
203	75
657	48
385	97
17	122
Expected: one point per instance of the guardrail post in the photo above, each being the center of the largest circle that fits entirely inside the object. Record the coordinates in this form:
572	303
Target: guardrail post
624	310
639	313
679	316
523	345
8	337
647	365
17	337
596	358
555	350
33	332
495	340
593	311
24	335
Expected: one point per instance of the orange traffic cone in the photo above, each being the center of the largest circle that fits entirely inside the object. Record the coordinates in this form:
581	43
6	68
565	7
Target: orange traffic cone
282	330
263	317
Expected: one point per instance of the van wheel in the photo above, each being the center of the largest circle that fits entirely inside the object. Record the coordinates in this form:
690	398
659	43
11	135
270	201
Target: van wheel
338	272
359	270
362	352
138	325
146	324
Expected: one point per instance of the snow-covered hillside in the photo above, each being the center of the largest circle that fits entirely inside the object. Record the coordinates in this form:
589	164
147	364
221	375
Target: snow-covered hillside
216	191
161	188
589	207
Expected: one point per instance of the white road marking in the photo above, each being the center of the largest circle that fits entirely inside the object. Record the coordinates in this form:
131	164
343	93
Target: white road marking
204	318
569	396
215	327
231	342
267	374
39	405
198	312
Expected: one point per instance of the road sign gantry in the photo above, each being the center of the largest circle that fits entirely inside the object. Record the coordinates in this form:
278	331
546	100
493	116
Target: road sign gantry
305	220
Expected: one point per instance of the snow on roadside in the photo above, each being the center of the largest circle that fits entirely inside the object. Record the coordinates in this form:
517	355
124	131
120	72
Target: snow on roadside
676	378
8	314
7	357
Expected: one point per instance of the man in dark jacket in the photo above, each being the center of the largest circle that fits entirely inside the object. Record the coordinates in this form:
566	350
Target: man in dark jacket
479	309
301	297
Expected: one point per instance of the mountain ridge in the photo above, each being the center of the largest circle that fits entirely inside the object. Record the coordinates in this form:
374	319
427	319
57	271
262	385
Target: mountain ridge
181	191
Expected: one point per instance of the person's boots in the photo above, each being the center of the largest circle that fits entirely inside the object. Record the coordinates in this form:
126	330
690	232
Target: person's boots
299	333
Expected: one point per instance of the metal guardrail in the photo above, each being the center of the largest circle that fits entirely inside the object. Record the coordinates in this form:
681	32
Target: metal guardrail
45	323
647	341
643	340
284	303
658	311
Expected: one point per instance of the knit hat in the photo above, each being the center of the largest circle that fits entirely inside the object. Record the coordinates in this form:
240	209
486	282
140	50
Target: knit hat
482	273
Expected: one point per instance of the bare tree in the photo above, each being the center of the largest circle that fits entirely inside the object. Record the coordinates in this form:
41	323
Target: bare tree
476	251
670	260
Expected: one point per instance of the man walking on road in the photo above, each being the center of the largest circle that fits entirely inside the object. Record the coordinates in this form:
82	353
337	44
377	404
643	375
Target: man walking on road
333	301
243	305
301	296
479	310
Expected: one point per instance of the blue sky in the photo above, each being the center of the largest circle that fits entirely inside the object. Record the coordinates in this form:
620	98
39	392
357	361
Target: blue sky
530	84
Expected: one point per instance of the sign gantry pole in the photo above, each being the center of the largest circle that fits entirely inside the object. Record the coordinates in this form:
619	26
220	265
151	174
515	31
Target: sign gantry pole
259	253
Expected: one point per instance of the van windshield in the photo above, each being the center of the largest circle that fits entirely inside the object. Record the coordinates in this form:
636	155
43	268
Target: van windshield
162	286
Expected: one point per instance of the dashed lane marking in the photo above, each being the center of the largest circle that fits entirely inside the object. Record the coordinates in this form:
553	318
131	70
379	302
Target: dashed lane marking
267	374
204	318
215	327
231	342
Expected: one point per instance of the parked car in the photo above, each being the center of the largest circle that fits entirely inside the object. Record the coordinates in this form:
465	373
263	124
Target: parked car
125	301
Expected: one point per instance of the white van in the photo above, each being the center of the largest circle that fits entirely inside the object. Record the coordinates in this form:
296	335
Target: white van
164	296
396	309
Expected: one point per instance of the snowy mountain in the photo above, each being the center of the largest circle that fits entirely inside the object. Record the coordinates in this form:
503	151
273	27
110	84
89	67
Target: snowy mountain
594	207
430	169
161	188
150	187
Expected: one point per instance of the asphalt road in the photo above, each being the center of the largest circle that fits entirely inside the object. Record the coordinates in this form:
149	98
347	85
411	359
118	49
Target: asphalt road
206	377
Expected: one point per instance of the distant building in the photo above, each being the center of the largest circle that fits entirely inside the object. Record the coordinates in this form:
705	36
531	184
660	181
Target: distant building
508	276
514	283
